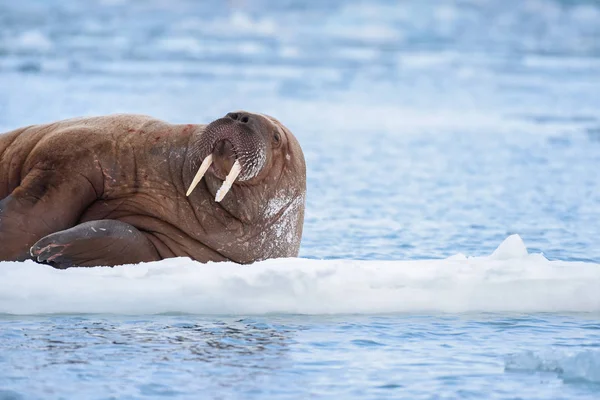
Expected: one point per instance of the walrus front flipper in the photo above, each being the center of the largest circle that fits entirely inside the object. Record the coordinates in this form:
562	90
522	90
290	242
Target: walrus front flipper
95	243
46	201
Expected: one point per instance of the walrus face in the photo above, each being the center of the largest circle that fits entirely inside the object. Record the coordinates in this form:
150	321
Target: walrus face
238	148
254	168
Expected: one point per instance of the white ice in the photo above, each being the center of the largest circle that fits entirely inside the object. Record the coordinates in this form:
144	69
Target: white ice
509	280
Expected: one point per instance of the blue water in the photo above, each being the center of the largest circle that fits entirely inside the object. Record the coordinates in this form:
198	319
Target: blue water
292	356
430	128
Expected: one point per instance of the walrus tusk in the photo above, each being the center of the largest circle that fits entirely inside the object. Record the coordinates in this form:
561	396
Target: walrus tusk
201	171
235	171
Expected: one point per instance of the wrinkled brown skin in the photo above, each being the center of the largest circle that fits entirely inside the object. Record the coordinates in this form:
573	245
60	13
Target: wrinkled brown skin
110	190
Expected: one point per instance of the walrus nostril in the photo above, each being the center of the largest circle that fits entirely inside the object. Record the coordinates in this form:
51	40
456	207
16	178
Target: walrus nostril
244	118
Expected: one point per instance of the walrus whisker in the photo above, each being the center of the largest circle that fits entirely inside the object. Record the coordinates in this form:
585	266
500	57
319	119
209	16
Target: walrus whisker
201	171
233	174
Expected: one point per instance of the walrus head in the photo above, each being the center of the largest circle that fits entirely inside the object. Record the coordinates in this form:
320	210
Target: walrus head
238	146
251	164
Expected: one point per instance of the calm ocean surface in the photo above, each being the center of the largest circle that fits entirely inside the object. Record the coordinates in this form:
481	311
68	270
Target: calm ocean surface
430	129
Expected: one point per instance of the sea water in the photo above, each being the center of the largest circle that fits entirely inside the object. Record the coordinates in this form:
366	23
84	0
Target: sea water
451	244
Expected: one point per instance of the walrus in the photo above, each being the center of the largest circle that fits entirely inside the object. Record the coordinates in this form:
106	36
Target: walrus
123	189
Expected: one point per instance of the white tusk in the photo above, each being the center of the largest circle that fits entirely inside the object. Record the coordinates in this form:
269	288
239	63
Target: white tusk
233	174
201	171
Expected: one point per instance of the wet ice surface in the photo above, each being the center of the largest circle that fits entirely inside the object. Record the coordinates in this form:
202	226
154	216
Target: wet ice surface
429	129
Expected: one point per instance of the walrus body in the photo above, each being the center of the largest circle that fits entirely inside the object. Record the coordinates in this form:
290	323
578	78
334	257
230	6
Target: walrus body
112	190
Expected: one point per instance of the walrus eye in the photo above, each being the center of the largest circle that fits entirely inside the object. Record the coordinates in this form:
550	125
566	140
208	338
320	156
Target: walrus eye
276	139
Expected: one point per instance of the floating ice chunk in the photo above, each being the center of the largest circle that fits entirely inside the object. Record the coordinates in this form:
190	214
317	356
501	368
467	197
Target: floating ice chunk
569	366
512	247
459	284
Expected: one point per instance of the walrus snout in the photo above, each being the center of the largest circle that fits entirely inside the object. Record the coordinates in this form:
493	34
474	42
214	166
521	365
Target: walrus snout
236	146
